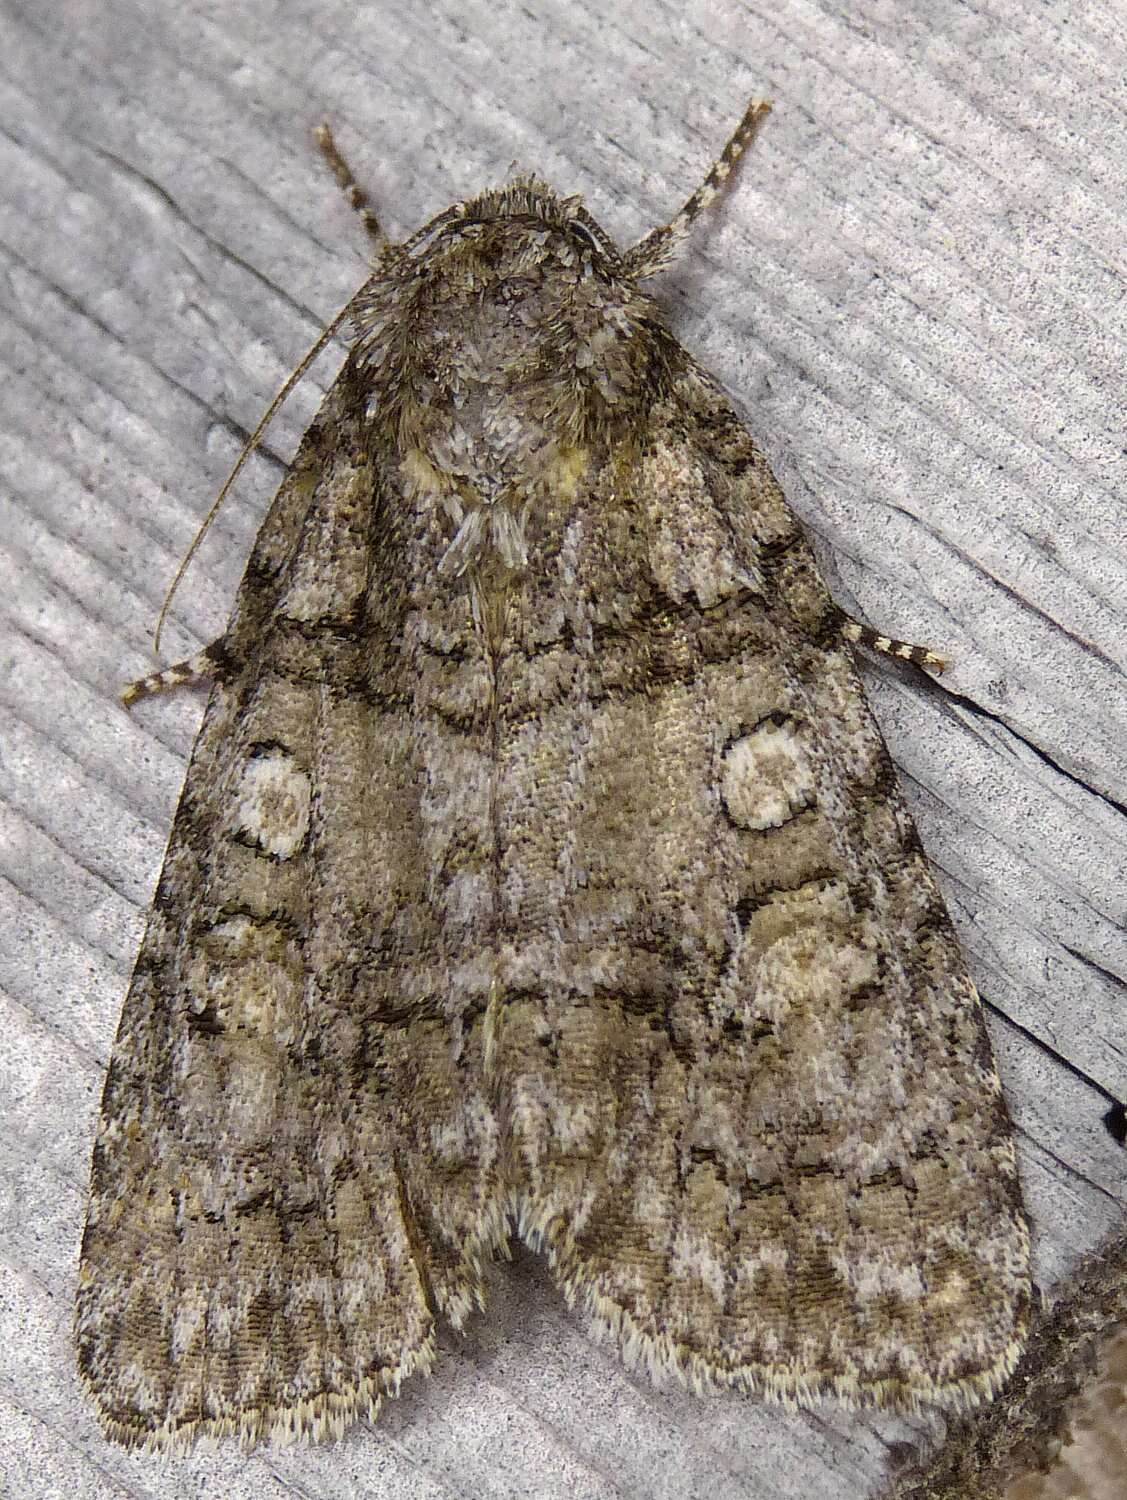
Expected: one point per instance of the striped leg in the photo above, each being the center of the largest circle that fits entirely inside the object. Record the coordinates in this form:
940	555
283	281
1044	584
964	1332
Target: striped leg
212	662
657	249
864	635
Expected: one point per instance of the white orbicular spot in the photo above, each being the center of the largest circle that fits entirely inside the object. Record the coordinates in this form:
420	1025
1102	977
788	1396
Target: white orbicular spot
271	805
767	778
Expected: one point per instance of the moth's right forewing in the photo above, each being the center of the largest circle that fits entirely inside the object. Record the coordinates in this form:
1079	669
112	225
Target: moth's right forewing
294	1170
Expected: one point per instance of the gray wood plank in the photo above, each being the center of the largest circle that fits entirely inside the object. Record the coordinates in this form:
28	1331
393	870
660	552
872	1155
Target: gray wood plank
916	291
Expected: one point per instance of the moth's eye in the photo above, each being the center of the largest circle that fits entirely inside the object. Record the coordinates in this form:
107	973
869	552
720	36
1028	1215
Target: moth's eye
454	229
581	232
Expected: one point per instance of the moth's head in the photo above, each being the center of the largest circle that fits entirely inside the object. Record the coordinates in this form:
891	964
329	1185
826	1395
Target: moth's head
511	229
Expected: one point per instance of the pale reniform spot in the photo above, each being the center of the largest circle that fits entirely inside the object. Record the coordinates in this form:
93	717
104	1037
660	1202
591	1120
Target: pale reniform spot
767	778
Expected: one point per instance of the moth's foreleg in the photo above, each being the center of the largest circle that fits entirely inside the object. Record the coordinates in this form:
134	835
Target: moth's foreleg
658	249
212	662
358	199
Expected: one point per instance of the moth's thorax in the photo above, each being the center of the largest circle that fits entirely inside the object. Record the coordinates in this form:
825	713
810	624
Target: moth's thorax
503	348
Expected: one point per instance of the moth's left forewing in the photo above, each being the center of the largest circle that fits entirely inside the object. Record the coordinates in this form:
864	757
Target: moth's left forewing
911	1138
755	1120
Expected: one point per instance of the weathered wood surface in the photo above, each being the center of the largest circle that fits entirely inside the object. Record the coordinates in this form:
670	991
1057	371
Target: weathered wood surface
916	290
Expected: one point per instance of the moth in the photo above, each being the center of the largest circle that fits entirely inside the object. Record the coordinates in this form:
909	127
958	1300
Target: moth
540	871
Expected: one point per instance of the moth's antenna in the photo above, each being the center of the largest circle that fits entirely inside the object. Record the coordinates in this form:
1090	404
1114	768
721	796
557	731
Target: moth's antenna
659	248
251	444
